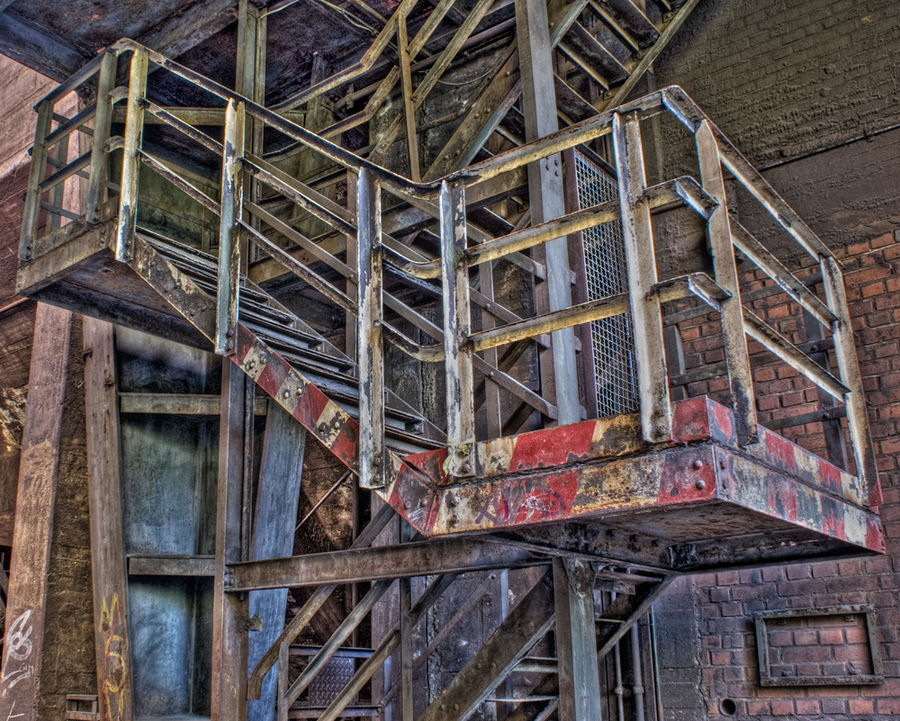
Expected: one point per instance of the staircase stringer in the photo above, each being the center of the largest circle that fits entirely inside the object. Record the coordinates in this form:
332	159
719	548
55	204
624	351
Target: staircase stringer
336	429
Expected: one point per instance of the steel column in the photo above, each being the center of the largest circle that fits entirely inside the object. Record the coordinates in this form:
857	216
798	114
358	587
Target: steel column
113	649
545	190
134	131
369	332
229	280
457	326
576	640
848	366
640	259
718	229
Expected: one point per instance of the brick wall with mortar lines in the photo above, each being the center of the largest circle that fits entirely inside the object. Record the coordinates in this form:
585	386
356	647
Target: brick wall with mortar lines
727	601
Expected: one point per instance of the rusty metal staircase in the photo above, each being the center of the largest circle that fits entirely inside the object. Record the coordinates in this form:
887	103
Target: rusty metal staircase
633	498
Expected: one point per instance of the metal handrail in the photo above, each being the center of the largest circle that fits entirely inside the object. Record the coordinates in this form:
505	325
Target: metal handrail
635	203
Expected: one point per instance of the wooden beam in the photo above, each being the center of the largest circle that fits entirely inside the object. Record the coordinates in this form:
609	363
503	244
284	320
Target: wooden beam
187	404
38	472
111	642
229	665
278	494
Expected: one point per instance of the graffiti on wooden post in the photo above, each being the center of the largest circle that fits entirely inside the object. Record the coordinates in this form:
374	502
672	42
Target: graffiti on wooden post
114	666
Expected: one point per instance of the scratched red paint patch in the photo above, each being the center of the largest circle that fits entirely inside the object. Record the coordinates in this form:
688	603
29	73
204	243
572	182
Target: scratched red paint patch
687	477
550	500
722	428
310	407
780	450
690	421
346	444
552	447
874	534
833	519
830	476
783	498
430	463
413	500
273	375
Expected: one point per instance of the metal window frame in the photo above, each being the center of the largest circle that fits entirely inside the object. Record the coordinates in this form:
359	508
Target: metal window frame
762	618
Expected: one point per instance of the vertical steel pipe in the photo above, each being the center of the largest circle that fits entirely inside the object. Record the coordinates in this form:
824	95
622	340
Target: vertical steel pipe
134	131
369	331
228	295
457	326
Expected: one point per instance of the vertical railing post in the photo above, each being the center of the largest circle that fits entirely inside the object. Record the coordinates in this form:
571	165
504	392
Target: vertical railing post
35	176
640	259
718	230
457	326
229	280
99	159
369	331
848	367
134	131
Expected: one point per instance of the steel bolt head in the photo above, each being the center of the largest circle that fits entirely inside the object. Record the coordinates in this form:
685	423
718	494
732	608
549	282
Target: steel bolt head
701	484
698	464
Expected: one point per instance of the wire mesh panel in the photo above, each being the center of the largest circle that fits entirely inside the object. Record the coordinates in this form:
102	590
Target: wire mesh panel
604	261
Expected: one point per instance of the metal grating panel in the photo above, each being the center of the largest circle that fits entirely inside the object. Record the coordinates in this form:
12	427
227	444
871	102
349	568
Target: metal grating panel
604	261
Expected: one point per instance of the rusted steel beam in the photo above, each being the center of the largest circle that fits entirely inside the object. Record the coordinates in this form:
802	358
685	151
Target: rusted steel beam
134	130
318	598
457	324
787	352
760	256
734	341
194	193
626	615
370	317
409	109
646	316
446	555
526	624
171	565
111	631
333	644
185	128
649	56
26	603
848	366
229	269
550	322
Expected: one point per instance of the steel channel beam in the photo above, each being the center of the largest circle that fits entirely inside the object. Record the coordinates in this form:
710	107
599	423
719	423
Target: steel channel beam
446	555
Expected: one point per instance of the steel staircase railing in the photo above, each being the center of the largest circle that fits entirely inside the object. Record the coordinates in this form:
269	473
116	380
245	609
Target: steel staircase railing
457	344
